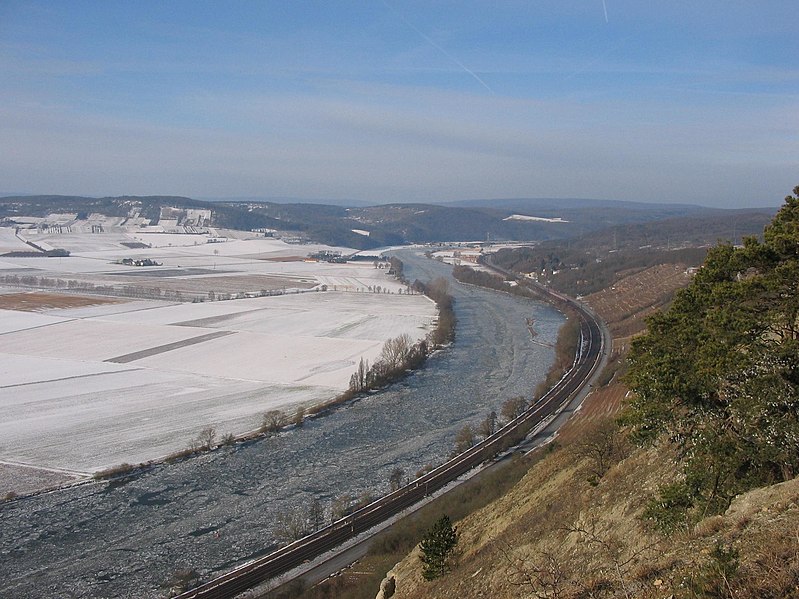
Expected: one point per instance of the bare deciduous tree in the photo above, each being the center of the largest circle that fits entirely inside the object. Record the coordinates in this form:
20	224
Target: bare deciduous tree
316	515
600	558
273	421
424	470
206	438
395	351
299	417
488	426
600	446
364	499
464	439
395	479
619	554
359	378
513	407
291	525
340	507
543	574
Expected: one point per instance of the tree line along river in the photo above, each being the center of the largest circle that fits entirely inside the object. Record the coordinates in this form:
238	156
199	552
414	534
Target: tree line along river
218	510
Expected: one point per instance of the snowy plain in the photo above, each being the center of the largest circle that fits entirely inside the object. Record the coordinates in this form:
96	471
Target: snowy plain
86	388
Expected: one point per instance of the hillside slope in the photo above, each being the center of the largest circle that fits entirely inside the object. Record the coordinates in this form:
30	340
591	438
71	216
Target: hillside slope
557	535
599	517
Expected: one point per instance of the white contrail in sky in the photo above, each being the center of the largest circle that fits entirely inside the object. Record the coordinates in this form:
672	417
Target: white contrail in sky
605	7
439	48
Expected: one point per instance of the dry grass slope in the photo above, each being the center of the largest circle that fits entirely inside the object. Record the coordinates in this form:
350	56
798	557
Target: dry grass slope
635	295
557	535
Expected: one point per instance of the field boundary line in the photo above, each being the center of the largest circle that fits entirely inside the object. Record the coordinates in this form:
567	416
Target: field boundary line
68	378
154	351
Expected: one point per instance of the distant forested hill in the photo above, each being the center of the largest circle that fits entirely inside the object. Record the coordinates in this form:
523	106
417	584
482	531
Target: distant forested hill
226	216
590	262
392	224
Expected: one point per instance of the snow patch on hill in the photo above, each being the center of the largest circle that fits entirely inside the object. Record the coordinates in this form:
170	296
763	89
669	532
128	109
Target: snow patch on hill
540	219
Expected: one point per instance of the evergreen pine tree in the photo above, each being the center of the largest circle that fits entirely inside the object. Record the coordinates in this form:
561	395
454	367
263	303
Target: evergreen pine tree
718	373
436	547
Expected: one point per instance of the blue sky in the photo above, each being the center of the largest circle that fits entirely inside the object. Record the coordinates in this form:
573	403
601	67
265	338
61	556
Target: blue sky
381	101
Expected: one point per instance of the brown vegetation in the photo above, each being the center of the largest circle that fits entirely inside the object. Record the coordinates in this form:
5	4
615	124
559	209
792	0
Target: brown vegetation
162	287
116	471
557	535
574	525
578	269
17	480
569	528
636	294
468	275
273	421
34	301
362	581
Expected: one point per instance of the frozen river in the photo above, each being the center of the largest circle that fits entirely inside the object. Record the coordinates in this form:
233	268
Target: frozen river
216	511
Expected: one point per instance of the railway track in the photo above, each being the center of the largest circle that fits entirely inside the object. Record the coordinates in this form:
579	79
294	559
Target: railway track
587	360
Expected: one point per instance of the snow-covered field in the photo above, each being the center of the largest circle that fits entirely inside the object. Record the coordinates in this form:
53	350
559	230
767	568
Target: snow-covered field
10	243
86	388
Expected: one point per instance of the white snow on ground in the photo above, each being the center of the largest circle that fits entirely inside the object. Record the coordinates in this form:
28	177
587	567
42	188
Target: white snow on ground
80	242
325	314
269	359
261	256
540	219
140	307
13	320
95	422
4	265
62	405
161	240
24	370
10	243
162	244
92	339
61	266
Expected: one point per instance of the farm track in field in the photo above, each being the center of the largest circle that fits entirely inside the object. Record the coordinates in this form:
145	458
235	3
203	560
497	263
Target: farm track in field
154	351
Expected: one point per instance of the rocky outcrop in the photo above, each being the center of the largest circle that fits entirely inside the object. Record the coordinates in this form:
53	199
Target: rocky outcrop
387	587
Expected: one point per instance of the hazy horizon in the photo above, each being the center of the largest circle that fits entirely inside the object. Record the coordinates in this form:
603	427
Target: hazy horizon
353	202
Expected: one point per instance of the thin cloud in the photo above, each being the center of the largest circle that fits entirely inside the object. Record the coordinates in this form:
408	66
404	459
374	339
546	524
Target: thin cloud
439	48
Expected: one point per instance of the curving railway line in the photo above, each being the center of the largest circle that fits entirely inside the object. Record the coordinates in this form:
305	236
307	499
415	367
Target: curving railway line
586	362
